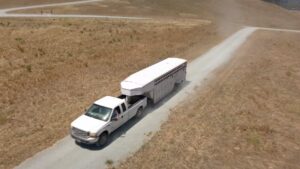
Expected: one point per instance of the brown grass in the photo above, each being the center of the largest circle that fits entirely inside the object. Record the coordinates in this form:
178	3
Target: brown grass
248	117
52	69
244	12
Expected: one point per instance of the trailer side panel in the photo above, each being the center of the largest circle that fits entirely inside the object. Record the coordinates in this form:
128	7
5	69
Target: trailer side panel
165	84
156	81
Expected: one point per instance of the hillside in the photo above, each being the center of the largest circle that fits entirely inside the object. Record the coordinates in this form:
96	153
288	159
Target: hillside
248	117
52	69
225	12
288	4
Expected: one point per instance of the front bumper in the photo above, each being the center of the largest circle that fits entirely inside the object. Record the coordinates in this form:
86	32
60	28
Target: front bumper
88	140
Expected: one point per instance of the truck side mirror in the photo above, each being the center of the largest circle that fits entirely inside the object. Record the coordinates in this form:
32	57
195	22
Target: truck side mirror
114	119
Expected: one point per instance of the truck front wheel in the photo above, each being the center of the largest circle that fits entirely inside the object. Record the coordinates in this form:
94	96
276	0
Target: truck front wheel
103	138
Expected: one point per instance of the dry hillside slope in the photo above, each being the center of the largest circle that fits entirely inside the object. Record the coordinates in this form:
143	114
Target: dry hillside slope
248	117
224	12
52	69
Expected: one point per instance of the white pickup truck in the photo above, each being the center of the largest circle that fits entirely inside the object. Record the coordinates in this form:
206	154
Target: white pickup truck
105	116
109	113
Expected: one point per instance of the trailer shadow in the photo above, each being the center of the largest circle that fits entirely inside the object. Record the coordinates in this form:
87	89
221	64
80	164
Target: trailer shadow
121	132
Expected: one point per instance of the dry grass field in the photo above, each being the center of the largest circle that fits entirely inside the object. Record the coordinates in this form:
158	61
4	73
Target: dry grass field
248	117
244	12
52	69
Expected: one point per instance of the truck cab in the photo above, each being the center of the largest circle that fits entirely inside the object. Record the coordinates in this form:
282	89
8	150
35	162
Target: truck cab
105	116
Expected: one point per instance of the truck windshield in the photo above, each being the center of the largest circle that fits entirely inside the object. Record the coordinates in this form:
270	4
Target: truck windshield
99	112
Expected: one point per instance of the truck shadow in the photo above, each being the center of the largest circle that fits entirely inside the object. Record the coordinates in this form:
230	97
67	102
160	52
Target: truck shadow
121	132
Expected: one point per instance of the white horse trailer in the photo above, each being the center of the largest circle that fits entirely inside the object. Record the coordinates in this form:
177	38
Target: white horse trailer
156	81
109	113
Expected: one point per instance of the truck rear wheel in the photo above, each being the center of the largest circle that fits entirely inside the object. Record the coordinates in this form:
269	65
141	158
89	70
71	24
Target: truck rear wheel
103	138
139	112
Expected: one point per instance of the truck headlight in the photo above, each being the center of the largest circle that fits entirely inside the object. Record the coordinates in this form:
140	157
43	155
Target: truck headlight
92	134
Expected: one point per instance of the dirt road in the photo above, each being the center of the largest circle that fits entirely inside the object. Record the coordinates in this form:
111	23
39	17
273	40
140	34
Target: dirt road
66	154
66	16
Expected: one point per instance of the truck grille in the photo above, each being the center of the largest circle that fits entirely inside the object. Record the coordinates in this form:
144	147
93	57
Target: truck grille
79	133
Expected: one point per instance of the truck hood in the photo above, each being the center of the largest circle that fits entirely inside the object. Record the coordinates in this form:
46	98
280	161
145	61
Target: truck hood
88	124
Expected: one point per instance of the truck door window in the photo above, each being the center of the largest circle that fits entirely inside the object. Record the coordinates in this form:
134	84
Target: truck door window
114	115
116	112
123	107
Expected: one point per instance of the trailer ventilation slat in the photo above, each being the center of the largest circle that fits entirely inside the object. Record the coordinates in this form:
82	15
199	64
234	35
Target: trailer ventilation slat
167	75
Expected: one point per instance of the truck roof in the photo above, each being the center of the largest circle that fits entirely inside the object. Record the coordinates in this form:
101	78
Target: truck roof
149	74
109	102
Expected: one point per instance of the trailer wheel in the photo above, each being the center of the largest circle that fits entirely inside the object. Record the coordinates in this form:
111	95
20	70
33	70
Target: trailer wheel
102	139
139	112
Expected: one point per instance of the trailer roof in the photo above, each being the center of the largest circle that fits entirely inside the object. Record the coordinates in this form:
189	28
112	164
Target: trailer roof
149	74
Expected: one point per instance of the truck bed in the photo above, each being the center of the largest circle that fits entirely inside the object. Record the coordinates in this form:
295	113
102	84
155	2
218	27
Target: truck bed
131	100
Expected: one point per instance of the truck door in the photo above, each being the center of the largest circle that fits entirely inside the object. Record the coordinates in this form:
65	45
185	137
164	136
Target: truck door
116	120
125	113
